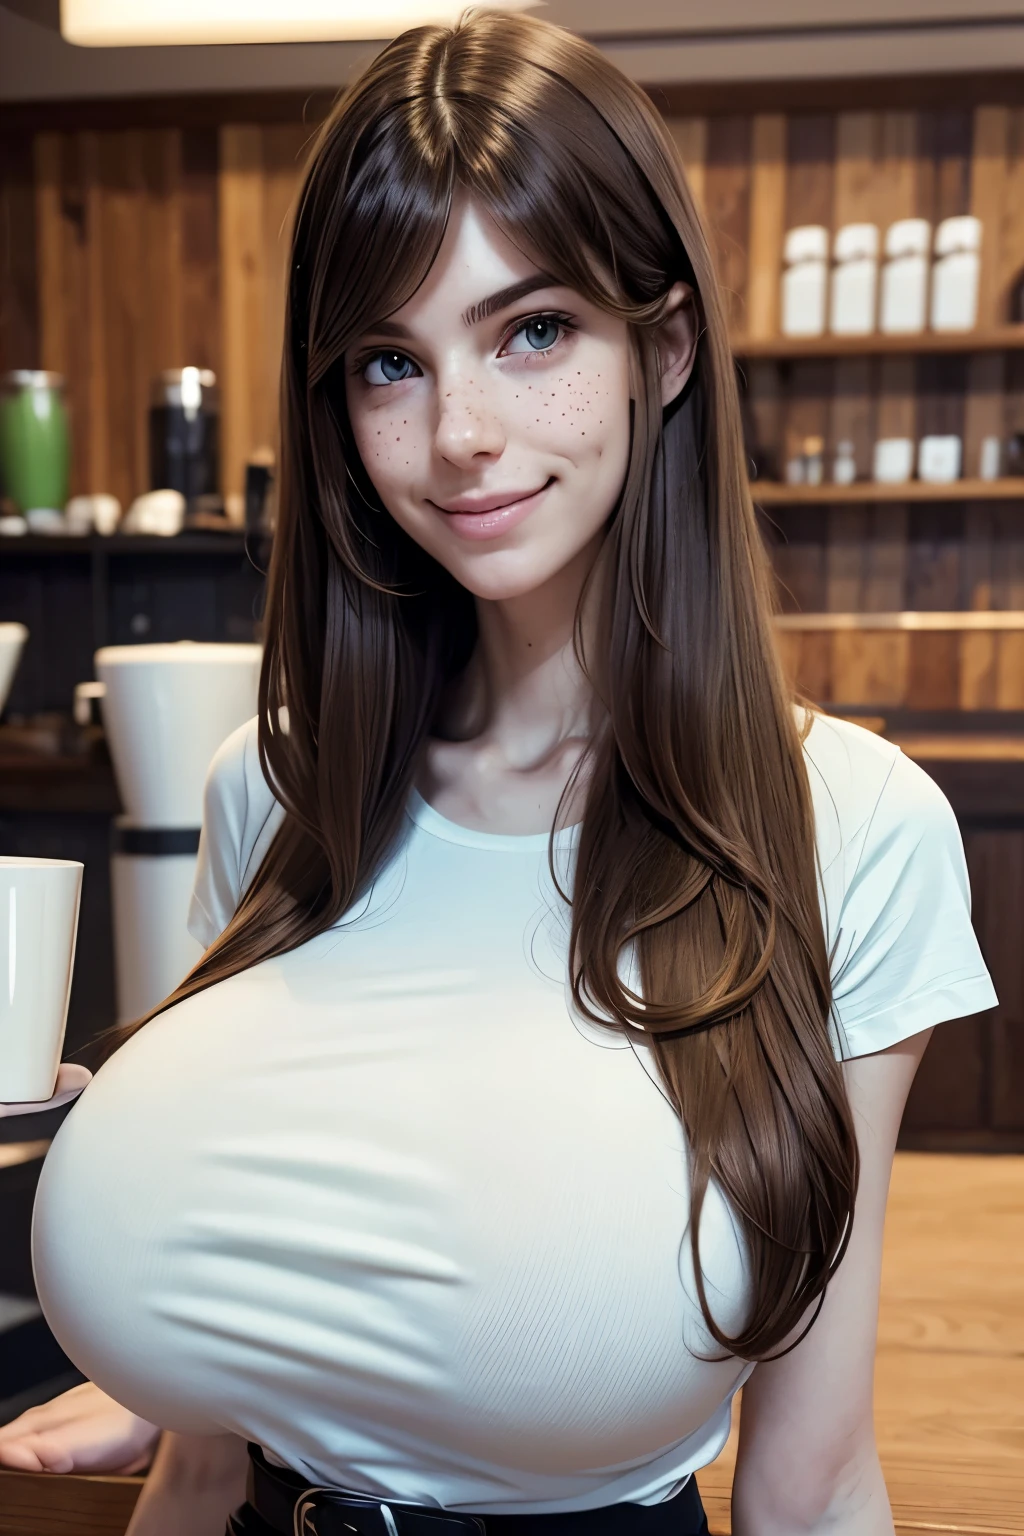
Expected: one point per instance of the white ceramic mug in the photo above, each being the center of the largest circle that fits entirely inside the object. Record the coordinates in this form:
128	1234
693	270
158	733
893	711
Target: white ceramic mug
39	901
12	641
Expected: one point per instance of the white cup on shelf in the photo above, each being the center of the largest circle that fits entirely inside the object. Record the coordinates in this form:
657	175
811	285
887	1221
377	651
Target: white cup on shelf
893	460
39	902
938	458
990	458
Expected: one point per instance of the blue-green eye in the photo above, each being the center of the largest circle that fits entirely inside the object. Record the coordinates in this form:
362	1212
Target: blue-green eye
541	333
391	365
538	332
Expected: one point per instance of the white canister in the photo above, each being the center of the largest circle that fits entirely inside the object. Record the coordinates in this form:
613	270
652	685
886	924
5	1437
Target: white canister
938	458
854	280
805	281
150	896
166	710
990	458
893	460
955	274
903	309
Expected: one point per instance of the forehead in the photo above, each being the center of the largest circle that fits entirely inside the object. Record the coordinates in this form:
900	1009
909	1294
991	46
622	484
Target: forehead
475	258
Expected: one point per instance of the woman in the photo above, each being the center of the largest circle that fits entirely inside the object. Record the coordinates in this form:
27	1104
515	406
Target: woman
564	982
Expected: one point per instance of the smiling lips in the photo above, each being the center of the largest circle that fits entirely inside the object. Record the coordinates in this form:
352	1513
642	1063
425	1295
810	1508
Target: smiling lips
490	503
487	517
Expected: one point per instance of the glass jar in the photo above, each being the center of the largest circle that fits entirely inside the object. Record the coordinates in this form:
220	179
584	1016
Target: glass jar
184	432
34	440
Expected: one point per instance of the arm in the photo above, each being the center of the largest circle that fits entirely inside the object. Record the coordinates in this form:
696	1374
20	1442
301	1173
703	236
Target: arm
807	1460
194	1484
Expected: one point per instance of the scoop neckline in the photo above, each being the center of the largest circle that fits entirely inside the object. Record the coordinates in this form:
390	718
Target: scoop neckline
425	816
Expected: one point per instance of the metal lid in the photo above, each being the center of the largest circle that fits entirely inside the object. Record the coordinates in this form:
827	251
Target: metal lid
188	387
32	378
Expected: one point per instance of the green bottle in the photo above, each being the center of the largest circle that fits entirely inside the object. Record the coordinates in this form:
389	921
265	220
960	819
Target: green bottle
34	442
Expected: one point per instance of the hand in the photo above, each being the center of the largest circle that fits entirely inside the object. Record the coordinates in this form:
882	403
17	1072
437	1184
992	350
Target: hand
71	1079
82	1430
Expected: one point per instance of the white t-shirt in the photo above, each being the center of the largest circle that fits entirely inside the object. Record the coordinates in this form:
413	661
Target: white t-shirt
389	1207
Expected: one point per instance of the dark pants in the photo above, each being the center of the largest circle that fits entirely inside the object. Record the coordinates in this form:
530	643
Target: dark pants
681	1516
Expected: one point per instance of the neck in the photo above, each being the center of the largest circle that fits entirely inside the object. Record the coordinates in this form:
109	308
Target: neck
524	694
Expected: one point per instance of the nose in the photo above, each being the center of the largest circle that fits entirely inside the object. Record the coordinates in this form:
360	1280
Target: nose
467	425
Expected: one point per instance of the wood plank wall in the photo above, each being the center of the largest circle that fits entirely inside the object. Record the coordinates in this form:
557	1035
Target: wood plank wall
124	252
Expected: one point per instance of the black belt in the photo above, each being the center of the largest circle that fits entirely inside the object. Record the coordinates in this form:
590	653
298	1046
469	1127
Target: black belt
294	1508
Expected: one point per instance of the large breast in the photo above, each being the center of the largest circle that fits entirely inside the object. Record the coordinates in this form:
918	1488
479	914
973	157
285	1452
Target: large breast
341	1195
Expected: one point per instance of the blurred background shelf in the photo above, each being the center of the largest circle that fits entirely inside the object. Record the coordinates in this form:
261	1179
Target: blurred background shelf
773	493
233	543
1002	338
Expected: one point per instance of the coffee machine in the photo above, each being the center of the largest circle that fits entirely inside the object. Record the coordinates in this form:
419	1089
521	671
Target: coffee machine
166	710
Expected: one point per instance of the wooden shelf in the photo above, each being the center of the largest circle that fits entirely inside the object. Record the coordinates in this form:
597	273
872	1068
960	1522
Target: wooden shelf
962	620
36	782
231	542
771	493
780	348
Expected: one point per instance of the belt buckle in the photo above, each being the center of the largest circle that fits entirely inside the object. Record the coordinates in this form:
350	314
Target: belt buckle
309	1505
306	1508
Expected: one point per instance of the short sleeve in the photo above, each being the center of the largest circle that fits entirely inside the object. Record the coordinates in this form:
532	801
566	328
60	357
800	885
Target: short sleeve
240	818
905	955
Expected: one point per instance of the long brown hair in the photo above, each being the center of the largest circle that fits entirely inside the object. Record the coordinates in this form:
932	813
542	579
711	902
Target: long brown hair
697	842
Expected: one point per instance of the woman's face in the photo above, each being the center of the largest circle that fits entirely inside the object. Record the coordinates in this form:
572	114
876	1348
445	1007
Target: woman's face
494	425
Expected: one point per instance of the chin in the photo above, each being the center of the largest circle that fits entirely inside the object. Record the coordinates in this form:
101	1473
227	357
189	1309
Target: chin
502	575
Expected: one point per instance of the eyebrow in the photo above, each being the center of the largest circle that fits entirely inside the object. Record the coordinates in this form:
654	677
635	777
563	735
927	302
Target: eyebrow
482	311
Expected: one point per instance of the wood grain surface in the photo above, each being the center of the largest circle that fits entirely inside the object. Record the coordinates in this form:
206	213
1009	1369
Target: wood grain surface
931	660
727	207
767	226
808	410
996	338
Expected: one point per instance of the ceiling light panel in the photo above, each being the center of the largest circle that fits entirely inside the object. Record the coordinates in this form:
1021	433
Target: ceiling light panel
134	23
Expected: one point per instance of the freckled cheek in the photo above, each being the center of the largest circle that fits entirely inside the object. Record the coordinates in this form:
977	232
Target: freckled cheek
573	413
389	442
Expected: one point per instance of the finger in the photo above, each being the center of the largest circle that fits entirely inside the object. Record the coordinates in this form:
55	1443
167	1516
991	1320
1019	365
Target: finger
51	1452
18	1458
72	1077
